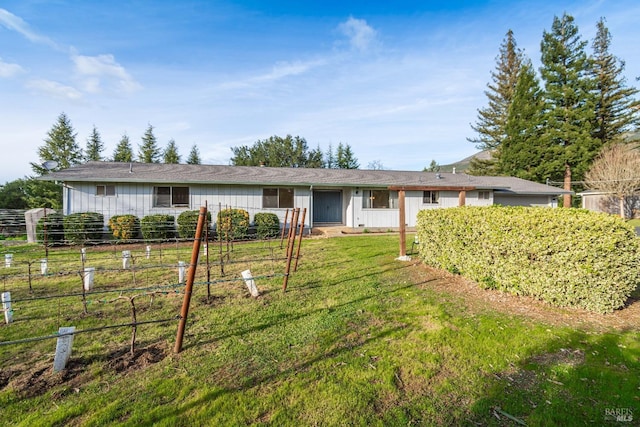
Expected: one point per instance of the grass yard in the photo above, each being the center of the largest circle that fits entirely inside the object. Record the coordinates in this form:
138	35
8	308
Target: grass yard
358	339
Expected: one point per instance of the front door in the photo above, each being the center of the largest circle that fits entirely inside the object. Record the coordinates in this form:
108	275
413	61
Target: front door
327	207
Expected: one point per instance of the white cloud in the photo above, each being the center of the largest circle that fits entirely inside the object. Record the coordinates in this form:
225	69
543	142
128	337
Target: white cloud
361	36
279	71
9	70
94	71
15	23
54	89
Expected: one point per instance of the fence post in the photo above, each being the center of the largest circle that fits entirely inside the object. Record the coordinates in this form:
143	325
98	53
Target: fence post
290	245
6	307
190	279
304	214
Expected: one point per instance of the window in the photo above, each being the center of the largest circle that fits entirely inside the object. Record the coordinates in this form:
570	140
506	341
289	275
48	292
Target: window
484	195
379	199
105	190
431	197
166	197
277	197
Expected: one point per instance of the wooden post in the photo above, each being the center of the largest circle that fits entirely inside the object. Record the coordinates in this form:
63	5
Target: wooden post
403	221
462	197
304	214
284	227
191	274
566	198
290	245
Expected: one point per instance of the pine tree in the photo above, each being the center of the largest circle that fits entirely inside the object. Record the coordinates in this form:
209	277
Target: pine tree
345	158
194	156
123	152
521	154
60	146
170	154
95	146
148	151
616	111
491	122
330	158
569	108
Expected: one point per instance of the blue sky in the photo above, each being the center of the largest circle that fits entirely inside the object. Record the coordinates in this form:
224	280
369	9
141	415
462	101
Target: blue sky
400	82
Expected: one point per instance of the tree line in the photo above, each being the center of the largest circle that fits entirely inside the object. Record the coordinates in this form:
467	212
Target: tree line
61	151
552	125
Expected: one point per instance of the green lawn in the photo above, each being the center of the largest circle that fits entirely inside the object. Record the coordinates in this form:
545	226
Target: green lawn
358	339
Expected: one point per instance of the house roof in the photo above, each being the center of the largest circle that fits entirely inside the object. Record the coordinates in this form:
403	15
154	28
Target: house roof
159	173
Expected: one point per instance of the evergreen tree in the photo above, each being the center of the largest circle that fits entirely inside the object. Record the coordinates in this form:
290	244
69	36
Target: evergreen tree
330	158
170	154
433	167
569	108
123	152
278	152
345	158
60	146
490	126
95	146
616	111
194	156
521	154
148	151
13	196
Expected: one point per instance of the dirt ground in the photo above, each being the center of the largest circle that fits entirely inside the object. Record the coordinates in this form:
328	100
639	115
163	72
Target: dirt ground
479	300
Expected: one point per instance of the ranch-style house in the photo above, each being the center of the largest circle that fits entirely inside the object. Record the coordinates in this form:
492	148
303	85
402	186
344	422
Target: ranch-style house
347	197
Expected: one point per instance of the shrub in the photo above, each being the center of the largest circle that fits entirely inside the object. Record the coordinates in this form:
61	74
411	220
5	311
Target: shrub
267	225
188	222
124	227
567	257
232	224
157	227
83	227
55	229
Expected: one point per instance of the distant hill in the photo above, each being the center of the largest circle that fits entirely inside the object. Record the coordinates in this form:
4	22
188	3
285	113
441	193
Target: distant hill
463	165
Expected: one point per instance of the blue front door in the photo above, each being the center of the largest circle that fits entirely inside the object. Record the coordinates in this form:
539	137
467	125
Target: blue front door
327	207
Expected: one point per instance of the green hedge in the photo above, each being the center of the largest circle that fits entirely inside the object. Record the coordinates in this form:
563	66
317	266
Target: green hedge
567	257
157	227
124	227
83	227
232	224
55	229
267	225
188	222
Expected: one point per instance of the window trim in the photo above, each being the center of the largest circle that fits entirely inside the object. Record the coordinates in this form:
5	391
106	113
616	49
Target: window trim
482	193
432	199
171	196
279	197
368	198
105	190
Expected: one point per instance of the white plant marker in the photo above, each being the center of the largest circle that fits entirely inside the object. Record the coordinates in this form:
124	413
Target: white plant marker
63	348
44	267
182	270
83	254
148	251
89	273
8	259
251	284
6	307
126	259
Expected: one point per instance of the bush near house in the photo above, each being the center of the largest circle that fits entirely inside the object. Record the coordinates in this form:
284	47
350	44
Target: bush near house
567	257
232	224
267	225
54	226
188	222
157	227
124	227
83	227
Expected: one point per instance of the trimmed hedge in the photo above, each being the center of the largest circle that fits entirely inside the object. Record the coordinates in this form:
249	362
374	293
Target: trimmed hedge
157	227
124	227
83	227
55	229
232	224
267	225
188	222
566	257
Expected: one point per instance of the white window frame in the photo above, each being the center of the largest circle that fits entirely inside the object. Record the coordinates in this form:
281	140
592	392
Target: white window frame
171	196
280	197
484	195
430	197
379	198
103	190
